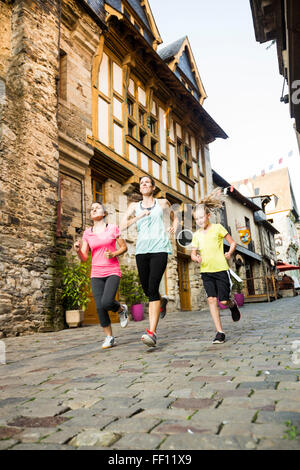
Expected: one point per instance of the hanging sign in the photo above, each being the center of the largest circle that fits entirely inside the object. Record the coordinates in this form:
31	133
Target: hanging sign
245	235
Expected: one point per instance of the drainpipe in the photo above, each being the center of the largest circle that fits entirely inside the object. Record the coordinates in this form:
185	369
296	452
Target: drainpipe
58	222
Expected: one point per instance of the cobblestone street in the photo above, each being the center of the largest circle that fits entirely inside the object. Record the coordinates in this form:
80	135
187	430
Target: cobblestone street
61	391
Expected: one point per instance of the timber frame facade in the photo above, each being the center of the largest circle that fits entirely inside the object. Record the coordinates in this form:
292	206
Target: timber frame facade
121	108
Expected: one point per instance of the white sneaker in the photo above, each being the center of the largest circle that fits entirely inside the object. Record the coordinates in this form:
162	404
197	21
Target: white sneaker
108	342
124	316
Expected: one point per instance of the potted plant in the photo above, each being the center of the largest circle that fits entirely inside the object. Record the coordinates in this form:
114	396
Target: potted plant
132	293
75	289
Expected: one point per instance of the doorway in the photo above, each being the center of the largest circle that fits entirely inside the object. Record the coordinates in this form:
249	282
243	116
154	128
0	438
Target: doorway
184	283
249	278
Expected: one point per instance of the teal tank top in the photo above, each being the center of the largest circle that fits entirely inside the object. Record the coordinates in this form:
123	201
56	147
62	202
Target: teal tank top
152	236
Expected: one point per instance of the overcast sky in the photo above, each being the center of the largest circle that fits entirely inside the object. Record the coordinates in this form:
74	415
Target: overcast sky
242	81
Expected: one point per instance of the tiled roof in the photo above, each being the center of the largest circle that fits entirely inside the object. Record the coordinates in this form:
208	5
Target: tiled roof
116	4
96	5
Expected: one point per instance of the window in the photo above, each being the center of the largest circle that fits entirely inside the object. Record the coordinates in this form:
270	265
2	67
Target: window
186	153
153	125
98	191
142	117
188	171
109	130
143	136
153	145
179	144
180	165
131	129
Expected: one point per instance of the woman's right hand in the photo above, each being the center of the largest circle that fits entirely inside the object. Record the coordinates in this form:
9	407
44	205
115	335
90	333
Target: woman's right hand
197	259
77	246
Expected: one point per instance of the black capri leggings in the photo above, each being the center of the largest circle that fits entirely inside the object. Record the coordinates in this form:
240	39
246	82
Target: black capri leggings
104	291
151	267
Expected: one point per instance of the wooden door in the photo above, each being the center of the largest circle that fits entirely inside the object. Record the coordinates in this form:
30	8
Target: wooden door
249	277
184	283
90	315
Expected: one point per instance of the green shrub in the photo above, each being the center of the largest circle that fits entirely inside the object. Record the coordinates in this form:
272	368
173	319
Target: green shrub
76	285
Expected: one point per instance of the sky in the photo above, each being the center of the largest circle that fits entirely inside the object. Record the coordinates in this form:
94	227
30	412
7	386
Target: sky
242	82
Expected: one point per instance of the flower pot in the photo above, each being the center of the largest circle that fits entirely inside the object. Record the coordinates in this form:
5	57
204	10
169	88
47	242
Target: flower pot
239	298
137	312
222	307
74	318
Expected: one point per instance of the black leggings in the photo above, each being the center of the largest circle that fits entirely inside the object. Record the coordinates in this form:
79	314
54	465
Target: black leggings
151	268
104	291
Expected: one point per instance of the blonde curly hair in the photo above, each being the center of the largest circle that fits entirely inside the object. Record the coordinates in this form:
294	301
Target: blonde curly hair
212	202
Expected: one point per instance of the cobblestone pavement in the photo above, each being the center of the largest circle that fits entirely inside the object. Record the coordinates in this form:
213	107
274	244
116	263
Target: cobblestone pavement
61	391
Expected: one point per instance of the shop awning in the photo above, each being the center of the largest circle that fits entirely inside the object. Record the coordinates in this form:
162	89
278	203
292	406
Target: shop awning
286	267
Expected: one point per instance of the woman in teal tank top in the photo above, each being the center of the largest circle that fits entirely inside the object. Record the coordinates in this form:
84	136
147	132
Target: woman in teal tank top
152	249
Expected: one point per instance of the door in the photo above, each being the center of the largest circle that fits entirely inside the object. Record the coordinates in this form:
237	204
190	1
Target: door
91	315
184	283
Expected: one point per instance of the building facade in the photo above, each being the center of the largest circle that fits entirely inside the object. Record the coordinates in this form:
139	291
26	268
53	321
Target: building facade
281	211
89	104
278	21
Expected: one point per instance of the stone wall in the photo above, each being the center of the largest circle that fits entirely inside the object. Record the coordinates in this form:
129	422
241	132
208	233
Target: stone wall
29	154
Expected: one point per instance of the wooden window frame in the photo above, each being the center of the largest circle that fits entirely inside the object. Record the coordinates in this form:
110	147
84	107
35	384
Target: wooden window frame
145	137
94	181
112	93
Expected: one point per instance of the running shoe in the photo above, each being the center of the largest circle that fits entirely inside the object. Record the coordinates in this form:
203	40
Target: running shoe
235	312
220	338
163	307
149	338
124	316
108	342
